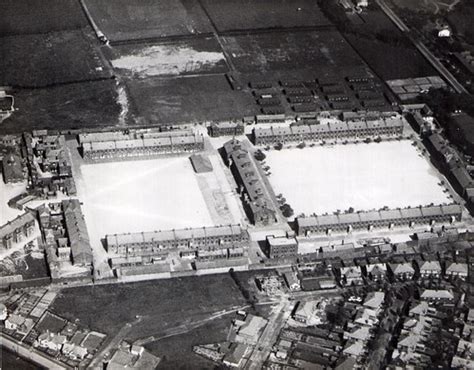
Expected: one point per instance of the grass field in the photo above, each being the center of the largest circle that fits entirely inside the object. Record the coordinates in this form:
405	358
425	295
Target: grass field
48	59
290	51
20	17
363	176
200	55
189	99
86	104
162	304
253	14
136	196
177	351
139	19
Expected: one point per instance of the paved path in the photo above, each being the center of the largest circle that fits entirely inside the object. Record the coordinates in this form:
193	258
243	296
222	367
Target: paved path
269	336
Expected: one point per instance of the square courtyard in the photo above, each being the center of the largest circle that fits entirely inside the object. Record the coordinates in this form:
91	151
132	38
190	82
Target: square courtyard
142	195
324	179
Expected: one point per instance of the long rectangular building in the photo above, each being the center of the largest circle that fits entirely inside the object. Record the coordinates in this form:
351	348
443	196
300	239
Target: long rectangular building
383	218
138	143
331	130
151	243
77	233
256	201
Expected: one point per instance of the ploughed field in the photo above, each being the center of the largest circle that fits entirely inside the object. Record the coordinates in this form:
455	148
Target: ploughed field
193	99
256	14
70	106
123	20
23	17
38	60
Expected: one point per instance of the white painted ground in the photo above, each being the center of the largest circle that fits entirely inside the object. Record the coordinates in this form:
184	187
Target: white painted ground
7	192
363	176
166	60
146	195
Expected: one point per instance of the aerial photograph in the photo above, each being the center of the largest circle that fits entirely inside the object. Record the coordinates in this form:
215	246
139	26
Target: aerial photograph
236	184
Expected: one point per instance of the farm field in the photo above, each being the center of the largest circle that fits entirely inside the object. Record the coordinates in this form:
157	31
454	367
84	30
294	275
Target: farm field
72	106
139	19
289	51
253	14
21	17
49	59
188	99
144	195
200	55
108	308
362	176
395	62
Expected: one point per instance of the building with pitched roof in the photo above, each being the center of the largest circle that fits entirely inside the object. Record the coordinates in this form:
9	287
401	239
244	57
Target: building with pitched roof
383	218
77	234
255	197
351	276
12	169
153	242
114	145
402	271
226	128
327	131
17	230
430	269
457	270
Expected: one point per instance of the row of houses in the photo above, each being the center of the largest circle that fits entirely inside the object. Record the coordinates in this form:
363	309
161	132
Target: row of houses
331	130
374	219
194	239
403	271
17	230
66	238
48	164
453	165
256	200
138	143
420	331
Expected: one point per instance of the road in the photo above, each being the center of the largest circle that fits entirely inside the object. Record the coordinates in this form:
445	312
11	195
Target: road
263	348
442	70
113	344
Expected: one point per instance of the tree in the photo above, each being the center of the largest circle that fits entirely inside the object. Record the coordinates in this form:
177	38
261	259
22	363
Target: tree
287	210
301	145
259	155
278	146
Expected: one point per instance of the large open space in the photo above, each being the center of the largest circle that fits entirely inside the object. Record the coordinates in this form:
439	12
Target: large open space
135	196
324	179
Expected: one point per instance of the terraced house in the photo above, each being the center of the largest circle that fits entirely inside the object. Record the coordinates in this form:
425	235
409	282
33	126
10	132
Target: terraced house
375	219
256	200
138	143
327	131
194	239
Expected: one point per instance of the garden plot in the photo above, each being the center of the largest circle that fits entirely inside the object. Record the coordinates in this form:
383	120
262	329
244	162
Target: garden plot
362	176
136	196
